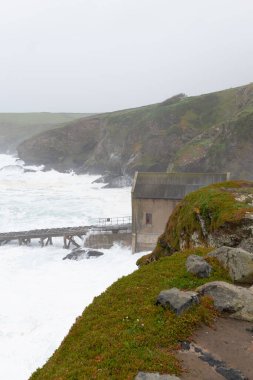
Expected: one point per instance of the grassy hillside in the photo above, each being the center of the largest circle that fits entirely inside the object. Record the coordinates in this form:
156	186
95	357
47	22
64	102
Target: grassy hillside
211	132
16	127
123	331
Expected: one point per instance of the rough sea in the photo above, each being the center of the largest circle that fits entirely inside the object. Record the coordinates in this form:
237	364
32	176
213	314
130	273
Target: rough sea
41	295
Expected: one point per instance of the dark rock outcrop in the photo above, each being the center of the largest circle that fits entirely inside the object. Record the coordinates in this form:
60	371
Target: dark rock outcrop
81	253
114	181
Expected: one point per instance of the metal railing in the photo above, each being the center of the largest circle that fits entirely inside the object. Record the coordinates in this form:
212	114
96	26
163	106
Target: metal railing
121	220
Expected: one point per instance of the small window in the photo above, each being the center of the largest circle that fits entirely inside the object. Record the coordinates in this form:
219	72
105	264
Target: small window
148	218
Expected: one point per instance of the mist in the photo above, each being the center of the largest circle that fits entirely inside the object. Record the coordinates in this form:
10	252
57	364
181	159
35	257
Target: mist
105	55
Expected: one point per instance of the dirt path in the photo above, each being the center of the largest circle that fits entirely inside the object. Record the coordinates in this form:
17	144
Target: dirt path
224	351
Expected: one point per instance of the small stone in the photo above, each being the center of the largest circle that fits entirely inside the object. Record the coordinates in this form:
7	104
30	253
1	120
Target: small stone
177	300
154	376
237	261
198	266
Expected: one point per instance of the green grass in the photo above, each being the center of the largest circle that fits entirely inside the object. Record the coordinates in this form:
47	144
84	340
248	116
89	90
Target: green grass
123	331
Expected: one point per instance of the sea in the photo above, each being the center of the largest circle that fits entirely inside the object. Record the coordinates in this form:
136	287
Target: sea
41	295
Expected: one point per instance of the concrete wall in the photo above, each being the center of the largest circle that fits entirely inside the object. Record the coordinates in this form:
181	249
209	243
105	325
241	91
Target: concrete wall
144	236
107	239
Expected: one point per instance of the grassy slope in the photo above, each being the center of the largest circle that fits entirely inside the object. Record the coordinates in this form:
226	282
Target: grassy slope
37	118
216	204
200	133
122	331
16	127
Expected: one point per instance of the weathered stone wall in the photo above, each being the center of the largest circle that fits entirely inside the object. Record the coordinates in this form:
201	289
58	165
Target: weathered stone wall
145	235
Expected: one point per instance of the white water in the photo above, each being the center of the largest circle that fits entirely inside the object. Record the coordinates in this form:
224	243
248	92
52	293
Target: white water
40	294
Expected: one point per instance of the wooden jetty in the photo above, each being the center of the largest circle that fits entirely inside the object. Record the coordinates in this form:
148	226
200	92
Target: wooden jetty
45	236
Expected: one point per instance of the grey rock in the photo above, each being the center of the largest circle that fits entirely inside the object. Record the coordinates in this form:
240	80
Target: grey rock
247	244
75	254
237	261
177	300
106	178
234	234
81	253
91	253
114	181
198	266
154	376
230	298
118	182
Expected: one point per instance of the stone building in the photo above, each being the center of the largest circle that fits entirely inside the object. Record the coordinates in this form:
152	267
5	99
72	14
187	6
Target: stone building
154	197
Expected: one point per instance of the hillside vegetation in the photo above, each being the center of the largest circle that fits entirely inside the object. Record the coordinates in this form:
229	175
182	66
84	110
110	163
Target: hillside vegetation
211	132
16	127
216	215
123	331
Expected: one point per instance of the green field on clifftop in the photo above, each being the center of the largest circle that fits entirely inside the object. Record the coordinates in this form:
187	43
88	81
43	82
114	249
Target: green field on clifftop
123	331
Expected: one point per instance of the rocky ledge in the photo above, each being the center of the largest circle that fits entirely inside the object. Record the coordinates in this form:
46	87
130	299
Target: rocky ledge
214	216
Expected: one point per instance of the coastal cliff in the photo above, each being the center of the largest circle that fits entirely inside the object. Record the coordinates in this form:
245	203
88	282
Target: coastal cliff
211	132
17	127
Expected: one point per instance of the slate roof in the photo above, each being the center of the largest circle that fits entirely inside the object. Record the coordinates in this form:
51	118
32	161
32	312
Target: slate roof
172	185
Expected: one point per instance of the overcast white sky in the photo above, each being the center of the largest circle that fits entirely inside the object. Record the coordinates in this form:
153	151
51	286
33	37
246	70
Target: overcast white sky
104	55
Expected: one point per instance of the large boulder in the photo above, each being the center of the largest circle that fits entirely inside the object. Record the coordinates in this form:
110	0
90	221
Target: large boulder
198	266
230	298
154	376
237	261
177	300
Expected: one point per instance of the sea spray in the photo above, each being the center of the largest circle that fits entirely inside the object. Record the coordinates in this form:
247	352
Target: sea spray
40	294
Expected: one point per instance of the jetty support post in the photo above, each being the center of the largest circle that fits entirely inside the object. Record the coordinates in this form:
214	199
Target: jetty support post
67	240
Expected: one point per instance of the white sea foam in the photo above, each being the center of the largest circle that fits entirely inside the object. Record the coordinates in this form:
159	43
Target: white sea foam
40	294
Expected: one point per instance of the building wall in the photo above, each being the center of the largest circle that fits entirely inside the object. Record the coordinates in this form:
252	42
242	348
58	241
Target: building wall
107	239
144	236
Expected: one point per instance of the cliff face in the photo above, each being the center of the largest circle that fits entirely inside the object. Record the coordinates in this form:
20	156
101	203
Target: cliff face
211	132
